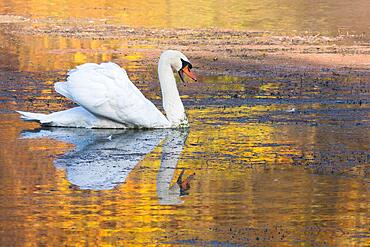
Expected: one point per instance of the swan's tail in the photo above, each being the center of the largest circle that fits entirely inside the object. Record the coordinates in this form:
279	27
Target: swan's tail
29	116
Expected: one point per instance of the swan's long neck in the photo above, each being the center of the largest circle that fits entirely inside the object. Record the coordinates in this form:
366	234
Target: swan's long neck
172	103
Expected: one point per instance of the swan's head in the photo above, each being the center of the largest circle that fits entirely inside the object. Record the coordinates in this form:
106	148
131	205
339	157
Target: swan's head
179	62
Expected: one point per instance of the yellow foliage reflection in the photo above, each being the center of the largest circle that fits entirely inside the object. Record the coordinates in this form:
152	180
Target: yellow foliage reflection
241	184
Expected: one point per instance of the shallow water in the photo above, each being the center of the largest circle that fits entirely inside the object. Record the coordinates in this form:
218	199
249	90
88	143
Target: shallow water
276	161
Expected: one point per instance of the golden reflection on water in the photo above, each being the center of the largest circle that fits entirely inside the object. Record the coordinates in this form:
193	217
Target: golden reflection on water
245	179
56	53
243	190
286	16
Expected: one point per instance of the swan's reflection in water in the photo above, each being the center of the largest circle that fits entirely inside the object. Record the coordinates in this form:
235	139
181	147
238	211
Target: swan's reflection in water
172	148
103	158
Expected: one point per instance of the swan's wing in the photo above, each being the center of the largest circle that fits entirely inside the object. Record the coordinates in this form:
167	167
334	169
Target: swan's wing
105	89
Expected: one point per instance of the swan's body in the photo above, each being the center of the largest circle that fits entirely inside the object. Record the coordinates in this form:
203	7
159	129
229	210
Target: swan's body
76	117
108	99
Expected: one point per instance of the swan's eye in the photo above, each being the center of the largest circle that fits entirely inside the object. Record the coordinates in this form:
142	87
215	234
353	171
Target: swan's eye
185	63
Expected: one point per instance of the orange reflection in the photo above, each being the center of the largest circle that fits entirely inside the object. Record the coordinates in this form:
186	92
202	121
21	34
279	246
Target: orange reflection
243	189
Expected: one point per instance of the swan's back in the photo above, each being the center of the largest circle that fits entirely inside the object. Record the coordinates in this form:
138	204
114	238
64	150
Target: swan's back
105	90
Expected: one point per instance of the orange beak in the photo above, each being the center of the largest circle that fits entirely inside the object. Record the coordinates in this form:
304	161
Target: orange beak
187	71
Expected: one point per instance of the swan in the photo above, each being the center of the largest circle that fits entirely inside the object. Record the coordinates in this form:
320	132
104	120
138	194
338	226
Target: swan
108	99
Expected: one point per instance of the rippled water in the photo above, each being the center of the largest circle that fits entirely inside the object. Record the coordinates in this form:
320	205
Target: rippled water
262	164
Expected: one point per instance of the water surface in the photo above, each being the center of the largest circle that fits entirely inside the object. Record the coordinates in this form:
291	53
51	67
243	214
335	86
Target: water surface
268	160
262	174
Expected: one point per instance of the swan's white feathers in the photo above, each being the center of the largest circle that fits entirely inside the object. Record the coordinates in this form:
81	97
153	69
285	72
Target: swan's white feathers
60	88
99	103
75	117
106	90
30	116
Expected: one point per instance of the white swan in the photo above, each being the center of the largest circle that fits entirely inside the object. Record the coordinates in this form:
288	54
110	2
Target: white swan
108	99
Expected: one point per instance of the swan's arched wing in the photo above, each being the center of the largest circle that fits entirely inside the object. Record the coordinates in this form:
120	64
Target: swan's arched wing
105	89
